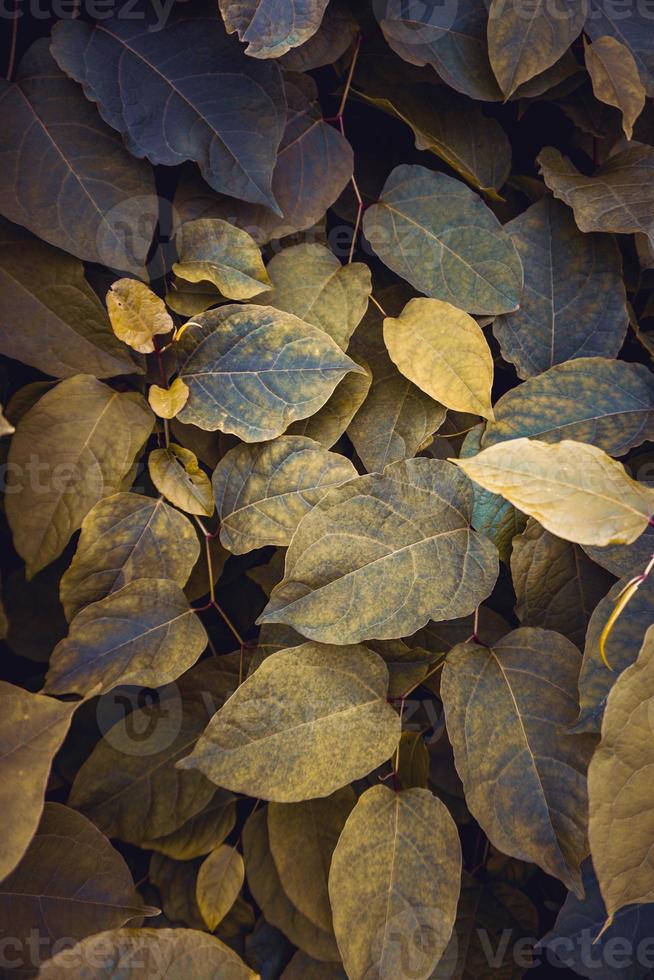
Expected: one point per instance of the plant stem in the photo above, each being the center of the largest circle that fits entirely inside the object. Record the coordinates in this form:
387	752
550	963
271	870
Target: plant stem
378	305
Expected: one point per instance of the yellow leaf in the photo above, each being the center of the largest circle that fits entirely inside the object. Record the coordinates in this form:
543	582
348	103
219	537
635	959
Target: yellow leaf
176	474
614	74
219	881
137	315
167	402
212	250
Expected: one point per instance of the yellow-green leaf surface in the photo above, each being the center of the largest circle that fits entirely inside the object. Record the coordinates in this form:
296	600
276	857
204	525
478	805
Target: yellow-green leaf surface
270	28
413	761
32	728
303	967
201	833
137	315
125	537
443	351
394	884
524	777
614	74
49	315
144	633
70	883
573	304
302	840
524	40
331	421
574	490
383	554
308	721
212	250
263	491
621	813
252	370
607	403
177	954
220	879
74	447
167	402
190	298
439	235
309	281
619	197
177	475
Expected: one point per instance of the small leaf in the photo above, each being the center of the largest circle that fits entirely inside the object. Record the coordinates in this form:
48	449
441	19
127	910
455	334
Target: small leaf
220	879
270	28
444	352
394	884
176	474
614	74
214	251
574	490
635	32
6	428
168	402
308	721
137	315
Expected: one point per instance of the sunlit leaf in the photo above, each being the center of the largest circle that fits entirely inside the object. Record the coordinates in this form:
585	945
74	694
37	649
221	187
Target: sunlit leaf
220	879
614	74
270	28
137	315
167	402
176	474
215	251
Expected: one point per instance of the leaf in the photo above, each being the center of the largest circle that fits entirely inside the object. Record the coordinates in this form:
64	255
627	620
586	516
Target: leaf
303	967
444	352
263	491
32	728
70	883
270	28
625	561
144	634
413	761
137	315
634	31
332	420
74	447
308	721
608	404
302	840
173	953
619	784
557	586
614	74
193	104
167	402
124	537
50	317
439	235
176	474
189	298
524	41
381	555
574	490
220	879
394	884
252	370
617	198
90	189
309	281
202	832
573	304
6	428
336	33
524	778
215	251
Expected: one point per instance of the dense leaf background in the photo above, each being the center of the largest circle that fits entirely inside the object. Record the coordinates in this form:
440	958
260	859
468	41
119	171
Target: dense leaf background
327	471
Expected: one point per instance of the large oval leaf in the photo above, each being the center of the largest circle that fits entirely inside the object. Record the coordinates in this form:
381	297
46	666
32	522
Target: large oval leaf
524	778
394	884
308	721
382	555
270	28
439	235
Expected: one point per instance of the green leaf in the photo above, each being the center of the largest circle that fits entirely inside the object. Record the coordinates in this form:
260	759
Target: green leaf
167	402
309	281
253	370
439	235
574	490
126	537
308	721
270	28
50	317
177	475
524	778
381	555
32	728
394	884
614	74
332	420
220	879
573	304
137	315
609	404
444	352
74	447
144	634
619	788
263	491
214	251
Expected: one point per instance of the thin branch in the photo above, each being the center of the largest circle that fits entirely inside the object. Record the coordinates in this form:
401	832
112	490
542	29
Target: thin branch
378	305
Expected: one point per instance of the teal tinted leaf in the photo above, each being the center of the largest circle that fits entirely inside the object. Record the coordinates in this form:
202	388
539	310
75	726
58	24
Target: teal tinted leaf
270	28
573	304
262	492
383	554
252	370
176	474
193	103
440	236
